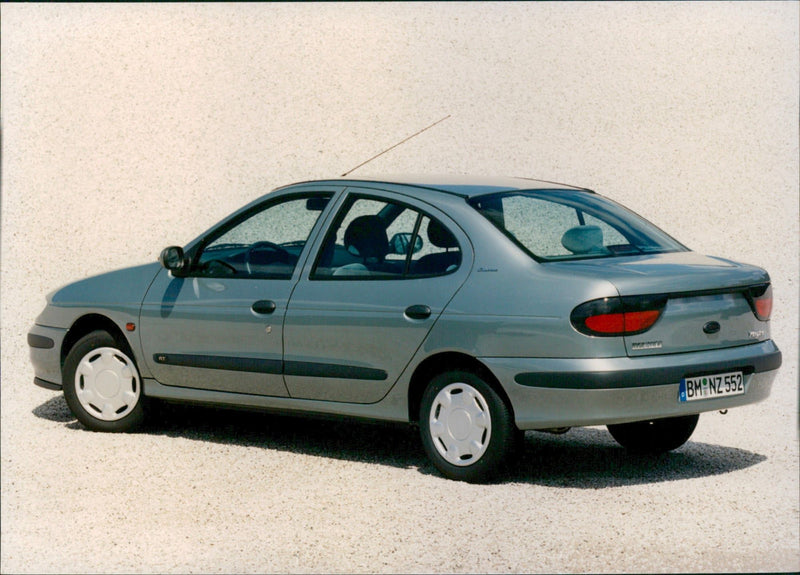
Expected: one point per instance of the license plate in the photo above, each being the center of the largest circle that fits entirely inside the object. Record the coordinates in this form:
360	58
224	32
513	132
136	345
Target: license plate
711	386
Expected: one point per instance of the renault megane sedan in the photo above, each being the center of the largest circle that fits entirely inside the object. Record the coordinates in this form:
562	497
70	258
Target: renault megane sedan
475	308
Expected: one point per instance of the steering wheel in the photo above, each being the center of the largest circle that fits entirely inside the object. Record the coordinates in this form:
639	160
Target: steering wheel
281	255
210	266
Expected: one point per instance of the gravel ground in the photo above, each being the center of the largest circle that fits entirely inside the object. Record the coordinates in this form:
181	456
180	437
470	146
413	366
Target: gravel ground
127	128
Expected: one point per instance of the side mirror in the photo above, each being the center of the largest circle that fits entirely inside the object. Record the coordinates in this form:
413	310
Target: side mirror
173	259
400	242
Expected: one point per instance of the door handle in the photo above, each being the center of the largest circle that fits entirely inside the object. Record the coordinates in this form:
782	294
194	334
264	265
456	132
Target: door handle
264	307
418	312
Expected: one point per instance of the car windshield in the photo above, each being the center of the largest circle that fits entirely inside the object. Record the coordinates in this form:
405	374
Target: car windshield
557	225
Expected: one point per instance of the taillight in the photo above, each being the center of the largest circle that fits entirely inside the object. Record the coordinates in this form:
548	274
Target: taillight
614	316
760	298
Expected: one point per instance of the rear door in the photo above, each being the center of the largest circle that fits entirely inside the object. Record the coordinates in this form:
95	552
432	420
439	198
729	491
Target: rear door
385	270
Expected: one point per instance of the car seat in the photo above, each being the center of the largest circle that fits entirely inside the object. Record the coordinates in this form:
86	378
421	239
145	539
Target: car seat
439	262
365	238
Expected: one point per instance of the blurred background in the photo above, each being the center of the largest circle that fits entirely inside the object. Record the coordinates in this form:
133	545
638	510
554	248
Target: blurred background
130	127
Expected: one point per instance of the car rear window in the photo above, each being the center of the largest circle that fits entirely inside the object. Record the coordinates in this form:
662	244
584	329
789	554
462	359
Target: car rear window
564	225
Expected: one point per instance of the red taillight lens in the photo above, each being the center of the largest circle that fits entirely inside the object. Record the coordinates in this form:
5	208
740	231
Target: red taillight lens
606	323
618	316
760	298
639	321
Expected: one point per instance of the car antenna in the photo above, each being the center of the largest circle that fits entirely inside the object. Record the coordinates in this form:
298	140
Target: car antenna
397	144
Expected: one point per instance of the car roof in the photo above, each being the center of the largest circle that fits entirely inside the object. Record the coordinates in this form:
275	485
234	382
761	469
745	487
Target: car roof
459	185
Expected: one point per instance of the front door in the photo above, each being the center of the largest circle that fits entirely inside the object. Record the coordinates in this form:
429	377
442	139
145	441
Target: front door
221	328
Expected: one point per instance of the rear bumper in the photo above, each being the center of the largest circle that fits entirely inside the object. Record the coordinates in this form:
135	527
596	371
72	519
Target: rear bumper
598	391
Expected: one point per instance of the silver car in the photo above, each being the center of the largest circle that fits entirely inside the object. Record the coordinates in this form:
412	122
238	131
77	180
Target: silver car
475	308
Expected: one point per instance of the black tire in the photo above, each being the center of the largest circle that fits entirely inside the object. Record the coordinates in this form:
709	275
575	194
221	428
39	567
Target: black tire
472	441
654	436
102	384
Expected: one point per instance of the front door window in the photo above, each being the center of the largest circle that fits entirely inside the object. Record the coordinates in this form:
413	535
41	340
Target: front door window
264	245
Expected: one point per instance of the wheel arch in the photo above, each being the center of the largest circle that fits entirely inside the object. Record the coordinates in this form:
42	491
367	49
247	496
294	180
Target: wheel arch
86	324
440	363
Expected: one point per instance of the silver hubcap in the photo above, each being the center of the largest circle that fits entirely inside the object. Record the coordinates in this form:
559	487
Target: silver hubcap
460	424
107	384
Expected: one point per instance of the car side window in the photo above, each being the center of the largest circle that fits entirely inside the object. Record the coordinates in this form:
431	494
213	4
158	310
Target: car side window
378	239
263	244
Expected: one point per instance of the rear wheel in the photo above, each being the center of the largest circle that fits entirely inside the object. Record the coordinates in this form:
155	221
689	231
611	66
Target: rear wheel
467	429
102	384
654	436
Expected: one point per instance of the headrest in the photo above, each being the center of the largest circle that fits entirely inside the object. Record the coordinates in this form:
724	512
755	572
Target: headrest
366	237
583	239
440	236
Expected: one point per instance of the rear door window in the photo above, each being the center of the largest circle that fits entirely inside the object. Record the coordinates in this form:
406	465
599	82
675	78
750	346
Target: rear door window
380	239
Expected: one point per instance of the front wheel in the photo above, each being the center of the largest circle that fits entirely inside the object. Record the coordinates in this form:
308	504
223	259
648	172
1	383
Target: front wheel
467	429
654	436
102	385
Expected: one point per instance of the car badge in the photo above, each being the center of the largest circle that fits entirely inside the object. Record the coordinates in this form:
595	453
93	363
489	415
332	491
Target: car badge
640	345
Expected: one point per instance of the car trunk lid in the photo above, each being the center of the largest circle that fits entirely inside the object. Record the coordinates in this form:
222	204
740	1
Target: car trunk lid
709	301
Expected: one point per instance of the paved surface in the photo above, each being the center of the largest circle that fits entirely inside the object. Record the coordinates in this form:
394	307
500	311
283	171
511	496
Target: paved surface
127	128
